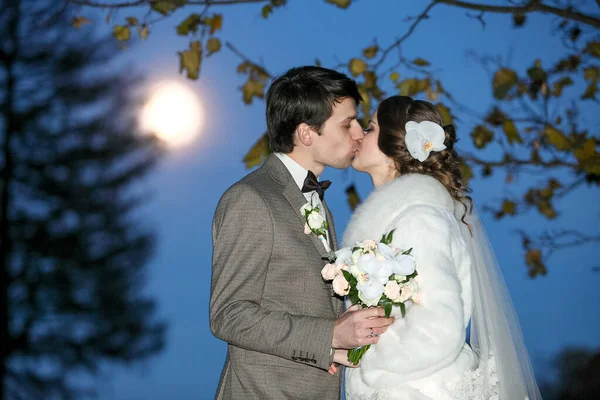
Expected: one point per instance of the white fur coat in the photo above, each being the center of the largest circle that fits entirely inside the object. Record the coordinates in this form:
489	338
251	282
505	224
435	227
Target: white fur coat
421	354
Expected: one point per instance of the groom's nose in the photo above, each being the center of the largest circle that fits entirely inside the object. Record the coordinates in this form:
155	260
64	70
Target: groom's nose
356	132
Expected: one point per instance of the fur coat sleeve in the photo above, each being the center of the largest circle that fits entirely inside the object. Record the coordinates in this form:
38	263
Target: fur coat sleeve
432	334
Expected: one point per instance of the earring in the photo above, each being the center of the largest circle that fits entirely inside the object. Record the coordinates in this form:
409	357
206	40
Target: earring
387	160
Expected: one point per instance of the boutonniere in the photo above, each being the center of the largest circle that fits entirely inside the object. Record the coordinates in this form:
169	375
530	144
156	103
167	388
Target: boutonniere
315	223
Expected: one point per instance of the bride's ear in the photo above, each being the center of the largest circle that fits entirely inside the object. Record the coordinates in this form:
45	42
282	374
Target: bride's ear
304	133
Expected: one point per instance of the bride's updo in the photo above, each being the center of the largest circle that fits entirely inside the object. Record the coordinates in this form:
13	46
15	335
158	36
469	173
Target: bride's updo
392	115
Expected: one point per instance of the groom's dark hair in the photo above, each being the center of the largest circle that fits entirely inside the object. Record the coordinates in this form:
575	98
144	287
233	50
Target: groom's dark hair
304	94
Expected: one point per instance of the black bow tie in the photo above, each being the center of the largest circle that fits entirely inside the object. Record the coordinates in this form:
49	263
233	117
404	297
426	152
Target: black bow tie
311	183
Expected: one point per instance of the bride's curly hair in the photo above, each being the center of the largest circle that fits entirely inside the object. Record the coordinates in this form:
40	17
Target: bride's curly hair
392	115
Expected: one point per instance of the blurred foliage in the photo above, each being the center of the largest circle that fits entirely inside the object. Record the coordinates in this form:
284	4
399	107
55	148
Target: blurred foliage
577	376
73	252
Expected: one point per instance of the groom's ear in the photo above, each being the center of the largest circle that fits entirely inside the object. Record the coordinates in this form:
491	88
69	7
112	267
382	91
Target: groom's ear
305	134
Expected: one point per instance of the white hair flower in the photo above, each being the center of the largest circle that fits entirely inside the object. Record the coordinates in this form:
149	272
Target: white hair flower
424	137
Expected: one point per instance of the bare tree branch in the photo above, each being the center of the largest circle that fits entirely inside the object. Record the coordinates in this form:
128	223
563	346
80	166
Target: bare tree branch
243	57
554	241
412	28
136	3
510	161
530	7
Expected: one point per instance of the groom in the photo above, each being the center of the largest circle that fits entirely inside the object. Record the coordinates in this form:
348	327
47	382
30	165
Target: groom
268	299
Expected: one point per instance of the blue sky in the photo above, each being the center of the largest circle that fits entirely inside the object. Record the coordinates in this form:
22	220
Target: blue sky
555	311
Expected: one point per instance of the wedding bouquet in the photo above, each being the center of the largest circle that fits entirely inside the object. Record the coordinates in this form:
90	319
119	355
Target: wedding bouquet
371	274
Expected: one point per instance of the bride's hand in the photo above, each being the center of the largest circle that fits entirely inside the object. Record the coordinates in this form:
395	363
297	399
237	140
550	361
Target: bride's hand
340	356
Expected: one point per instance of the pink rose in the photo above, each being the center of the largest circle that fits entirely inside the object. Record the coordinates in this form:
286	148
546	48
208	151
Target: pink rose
417	298
340	267
341	285
392	290
307	229
370	244
406	293
328	272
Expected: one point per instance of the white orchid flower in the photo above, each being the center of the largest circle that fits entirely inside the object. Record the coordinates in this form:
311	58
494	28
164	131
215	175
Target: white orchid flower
403	264
370	292
385	251
344	255
424	137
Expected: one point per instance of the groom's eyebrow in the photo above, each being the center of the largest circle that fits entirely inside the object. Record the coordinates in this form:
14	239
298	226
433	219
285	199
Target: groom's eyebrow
350	118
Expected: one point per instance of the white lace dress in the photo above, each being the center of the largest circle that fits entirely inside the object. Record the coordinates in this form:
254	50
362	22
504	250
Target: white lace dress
423	356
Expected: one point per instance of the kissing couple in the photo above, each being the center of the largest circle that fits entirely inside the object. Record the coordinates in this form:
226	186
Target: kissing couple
290	331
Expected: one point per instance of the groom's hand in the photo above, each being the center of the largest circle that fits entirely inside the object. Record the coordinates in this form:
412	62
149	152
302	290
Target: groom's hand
357	327
340	357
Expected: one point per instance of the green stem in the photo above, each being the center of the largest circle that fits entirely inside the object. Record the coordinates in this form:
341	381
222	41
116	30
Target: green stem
356	354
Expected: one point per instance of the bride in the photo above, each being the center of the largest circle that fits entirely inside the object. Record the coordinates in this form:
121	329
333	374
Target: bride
419	192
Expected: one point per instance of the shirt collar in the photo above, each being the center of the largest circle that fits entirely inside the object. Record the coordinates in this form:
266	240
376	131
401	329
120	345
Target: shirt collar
297	171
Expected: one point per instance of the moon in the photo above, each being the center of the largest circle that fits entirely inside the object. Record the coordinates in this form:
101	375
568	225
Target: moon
173	113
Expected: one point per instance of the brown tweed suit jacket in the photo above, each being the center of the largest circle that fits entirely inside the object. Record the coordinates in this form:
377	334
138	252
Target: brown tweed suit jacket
268	299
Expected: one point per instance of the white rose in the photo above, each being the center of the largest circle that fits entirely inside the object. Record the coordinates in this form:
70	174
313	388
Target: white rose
305	208
315	221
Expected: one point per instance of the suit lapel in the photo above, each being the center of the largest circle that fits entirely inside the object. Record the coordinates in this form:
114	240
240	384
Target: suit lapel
331	234
293	194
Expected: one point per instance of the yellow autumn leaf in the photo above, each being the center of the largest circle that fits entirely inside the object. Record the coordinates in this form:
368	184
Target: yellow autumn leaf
78	22
560	85
365	106
131	21
167	6
215	23
370	79
593	48
266	11
340	3
424	84
509	207
588	150
357	66
445	113
504	80
394	76
121	32
213	45
189	24
590	91
243	67
252	88
258	152
591	74
352	195
557	138
533	259
431	94
481	136
408	87
371	51
421	62
511	132
466	173
189	60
